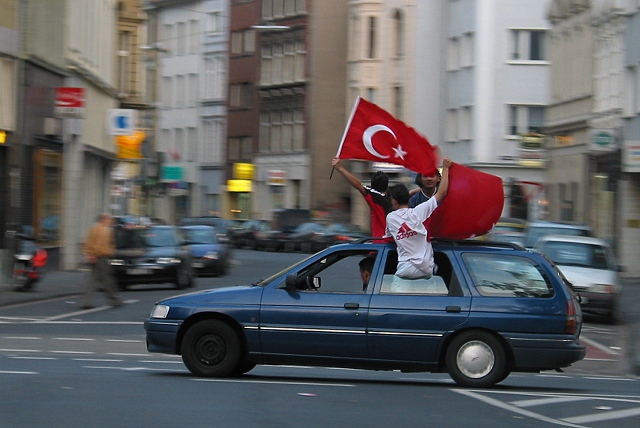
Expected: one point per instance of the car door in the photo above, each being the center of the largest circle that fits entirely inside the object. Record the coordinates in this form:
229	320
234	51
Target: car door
330	321
409	319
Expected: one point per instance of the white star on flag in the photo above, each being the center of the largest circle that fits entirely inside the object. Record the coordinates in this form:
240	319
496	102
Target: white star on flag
399	152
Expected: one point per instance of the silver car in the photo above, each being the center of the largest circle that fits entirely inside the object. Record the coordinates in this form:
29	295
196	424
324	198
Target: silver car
589	265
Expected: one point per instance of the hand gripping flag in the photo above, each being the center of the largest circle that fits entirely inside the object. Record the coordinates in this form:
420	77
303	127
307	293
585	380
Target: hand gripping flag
472	206
374	134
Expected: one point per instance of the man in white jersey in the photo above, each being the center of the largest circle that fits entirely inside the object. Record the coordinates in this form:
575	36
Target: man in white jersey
406	226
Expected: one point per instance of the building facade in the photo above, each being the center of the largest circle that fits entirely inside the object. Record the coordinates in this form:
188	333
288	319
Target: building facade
191	122
302	114
628	225
243	106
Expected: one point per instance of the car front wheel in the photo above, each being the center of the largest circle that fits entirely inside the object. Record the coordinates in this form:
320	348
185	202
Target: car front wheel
476	359
211	348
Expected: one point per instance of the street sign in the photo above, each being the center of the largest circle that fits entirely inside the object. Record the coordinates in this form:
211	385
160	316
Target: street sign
69	103
121	121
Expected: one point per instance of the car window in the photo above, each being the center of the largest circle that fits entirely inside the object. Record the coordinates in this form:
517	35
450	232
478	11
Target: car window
444	282
200	236
339	272
127	238
161	238
535	233
577	254
499	275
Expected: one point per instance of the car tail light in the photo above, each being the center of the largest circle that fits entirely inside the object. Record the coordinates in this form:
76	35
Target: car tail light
343	238
574	317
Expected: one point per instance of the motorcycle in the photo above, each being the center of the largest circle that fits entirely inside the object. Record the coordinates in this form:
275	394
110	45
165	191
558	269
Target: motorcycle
29	260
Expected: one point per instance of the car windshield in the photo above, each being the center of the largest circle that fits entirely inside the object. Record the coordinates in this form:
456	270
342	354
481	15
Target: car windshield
201	236
577	254
127	238
533	234
157	237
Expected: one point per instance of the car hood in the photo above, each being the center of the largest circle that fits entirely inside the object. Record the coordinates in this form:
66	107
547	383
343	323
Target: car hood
585	277
237	295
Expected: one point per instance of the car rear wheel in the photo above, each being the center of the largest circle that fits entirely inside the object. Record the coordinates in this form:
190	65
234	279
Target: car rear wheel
476	359
211	348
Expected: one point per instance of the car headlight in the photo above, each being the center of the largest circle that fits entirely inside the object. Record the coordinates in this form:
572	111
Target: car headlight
168	260
211	255
160	311
117	262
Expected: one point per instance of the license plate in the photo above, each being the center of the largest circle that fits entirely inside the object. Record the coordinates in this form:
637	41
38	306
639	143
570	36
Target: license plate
198	265
138	271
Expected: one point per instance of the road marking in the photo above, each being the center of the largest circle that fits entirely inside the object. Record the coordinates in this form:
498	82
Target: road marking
16	372
98	360
599	346
273	382
33	358
604	416
514	409
19	350
73	352
81	339
21	338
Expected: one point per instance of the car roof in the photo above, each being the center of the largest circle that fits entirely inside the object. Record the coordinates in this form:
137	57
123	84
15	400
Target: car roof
573	239
197	226
557	224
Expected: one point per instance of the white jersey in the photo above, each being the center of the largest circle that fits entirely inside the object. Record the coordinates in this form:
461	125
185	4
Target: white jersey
406	226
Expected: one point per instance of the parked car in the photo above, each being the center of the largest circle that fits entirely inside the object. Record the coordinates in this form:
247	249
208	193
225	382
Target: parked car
590	266
337	233
246	234
507	229
221	225
284	223
151	254
301	238
209	257
537	229
489	311
234	226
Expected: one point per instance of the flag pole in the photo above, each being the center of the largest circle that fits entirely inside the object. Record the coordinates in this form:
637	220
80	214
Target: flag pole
346	128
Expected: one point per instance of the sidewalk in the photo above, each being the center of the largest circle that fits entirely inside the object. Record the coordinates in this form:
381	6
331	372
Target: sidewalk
52	284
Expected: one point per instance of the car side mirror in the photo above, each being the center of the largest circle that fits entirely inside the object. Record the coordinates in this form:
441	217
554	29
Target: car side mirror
291	282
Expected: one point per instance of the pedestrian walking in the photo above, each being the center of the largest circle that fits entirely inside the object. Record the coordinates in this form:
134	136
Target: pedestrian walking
98	248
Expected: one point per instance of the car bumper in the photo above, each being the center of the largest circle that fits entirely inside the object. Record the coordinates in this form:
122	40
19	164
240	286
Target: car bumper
545	353
162	335
146	274
203	267
597	302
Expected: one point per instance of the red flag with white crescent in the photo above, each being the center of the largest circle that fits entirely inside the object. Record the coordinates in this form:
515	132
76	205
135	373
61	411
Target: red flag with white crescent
374	134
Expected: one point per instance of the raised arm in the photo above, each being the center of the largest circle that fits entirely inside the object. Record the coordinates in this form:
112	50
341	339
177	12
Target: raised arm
443	189
350	177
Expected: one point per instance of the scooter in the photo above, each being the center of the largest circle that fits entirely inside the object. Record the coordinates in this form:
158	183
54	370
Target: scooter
28	263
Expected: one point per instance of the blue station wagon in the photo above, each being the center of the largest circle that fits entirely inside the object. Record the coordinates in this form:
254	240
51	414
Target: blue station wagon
490	309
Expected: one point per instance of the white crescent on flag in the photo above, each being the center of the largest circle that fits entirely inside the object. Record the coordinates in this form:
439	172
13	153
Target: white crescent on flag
368	135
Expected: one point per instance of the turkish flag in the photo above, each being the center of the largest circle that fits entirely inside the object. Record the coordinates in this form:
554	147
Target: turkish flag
472	206
374	134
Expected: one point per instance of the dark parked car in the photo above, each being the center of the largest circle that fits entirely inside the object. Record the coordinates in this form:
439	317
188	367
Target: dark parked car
221	225
301	238
337	233
491	310
209	257
151	254
246	234
284	223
